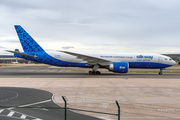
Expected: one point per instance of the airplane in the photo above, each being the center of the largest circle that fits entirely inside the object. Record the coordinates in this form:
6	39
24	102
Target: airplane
115	62
14	62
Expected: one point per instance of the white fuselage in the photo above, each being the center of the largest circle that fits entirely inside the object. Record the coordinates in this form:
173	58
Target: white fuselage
115	57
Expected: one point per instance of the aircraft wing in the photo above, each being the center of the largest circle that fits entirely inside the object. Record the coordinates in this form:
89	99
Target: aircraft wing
23	54
91	60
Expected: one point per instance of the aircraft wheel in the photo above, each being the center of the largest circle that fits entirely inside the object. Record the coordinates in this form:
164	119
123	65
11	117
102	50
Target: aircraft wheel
160	73
90	72
98	73
94	72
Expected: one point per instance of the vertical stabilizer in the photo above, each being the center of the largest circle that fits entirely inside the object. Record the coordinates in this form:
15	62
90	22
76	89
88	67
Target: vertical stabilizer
27	42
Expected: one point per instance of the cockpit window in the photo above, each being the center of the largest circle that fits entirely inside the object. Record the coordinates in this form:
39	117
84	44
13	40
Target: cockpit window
165	59
170	59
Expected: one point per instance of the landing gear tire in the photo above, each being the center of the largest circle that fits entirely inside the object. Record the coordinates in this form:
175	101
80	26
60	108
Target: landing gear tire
94	73
160	73
90	72
98	73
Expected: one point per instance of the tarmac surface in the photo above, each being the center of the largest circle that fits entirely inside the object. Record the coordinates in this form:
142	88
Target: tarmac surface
142	96
45	71
32	104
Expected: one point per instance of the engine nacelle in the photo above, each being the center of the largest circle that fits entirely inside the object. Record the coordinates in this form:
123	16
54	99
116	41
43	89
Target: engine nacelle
119	67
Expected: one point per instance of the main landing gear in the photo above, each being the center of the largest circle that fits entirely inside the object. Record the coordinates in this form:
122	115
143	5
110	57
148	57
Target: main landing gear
94	70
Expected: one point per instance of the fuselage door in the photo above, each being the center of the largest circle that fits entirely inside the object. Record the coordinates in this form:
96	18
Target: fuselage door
160	59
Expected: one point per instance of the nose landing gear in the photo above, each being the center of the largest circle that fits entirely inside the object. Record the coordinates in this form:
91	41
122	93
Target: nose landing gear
160	72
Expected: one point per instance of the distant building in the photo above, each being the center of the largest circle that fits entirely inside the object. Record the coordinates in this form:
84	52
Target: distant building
11	58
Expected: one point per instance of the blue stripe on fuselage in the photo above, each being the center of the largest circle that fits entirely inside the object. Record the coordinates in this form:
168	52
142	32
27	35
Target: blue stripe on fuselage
149	65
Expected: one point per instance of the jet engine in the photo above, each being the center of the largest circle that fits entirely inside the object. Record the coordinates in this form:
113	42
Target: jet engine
119	67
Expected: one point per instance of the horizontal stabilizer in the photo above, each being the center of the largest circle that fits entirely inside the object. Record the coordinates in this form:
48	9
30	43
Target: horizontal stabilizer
23	54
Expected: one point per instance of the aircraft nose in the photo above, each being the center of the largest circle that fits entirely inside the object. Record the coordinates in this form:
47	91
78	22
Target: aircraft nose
174	63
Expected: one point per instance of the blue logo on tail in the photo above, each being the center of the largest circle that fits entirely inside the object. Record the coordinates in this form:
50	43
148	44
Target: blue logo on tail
27	42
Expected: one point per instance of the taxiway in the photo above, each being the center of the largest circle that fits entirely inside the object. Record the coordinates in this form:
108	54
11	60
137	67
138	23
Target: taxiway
142	96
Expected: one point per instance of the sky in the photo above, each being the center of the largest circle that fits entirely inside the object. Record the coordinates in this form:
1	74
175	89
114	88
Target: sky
151	26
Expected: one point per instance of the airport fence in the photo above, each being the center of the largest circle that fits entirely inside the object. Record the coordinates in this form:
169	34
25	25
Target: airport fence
112	110
65	109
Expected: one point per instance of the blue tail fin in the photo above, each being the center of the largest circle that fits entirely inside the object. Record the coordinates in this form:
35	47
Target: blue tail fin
27	42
